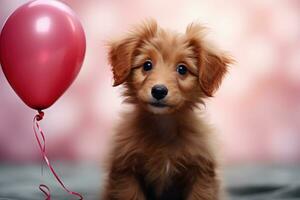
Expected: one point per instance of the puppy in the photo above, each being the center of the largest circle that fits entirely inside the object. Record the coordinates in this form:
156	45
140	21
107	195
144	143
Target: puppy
163	149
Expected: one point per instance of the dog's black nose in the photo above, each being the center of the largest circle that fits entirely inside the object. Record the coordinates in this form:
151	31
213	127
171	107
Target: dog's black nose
159	91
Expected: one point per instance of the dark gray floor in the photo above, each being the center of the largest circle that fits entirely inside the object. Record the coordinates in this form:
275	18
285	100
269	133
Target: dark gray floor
243	183
263	182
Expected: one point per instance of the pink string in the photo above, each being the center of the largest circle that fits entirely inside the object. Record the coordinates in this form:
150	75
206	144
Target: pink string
42	145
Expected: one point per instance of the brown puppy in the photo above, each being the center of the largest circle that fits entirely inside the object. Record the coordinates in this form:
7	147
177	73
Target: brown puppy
163	148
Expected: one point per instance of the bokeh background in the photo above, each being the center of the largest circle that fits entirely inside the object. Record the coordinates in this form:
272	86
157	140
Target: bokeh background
256	111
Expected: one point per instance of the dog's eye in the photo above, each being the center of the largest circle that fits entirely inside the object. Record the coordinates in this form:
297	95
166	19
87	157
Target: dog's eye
181	69
147	66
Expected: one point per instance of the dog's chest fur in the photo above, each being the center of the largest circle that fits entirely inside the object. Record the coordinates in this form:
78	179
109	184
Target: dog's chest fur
163	176
164	164
165	154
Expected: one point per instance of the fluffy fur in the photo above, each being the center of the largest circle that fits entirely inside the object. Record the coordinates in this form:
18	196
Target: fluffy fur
165	152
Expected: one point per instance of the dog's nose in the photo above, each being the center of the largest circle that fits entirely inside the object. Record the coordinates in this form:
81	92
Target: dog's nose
159	91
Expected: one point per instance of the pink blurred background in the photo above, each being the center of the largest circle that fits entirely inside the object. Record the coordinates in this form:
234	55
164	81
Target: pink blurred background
256	111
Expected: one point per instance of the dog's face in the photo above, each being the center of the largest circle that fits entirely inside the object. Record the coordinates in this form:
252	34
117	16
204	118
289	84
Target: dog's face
165	71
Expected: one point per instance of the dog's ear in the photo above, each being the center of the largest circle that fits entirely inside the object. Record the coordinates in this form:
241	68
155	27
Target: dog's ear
212	64
121	52
119	56
212	70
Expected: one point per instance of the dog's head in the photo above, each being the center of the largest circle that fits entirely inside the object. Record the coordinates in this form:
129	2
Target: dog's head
164	71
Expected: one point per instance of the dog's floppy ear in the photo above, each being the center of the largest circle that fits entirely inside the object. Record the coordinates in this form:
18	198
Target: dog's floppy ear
119	56
213	67
122	51
212	64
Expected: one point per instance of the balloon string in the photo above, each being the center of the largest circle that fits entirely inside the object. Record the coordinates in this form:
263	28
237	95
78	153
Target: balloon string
42	145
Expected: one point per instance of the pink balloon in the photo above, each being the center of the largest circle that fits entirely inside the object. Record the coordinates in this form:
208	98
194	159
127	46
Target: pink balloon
42	47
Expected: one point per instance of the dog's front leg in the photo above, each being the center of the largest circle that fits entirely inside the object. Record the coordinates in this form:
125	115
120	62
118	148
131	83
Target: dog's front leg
124	187
204	189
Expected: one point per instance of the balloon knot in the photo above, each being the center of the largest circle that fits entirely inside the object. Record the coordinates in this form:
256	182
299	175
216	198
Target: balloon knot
40	115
